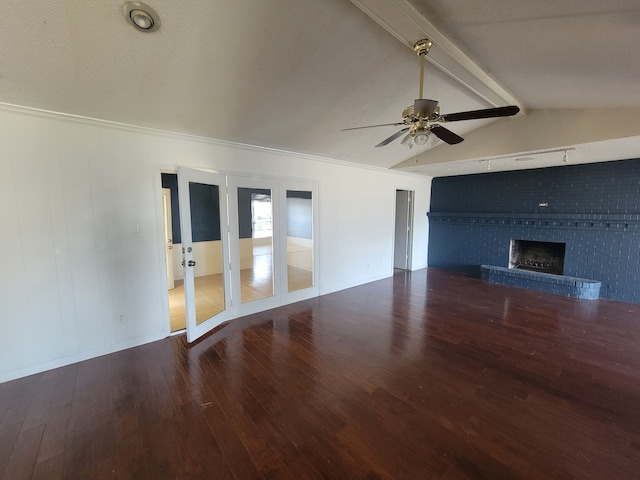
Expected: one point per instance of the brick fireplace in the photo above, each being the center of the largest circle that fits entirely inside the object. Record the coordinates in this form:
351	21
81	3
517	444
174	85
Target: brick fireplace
593	210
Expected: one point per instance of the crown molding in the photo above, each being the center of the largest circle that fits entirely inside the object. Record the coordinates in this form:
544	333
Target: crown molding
24	110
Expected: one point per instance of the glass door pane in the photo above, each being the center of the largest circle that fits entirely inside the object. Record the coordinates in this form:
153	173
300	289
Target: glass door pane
204	245
255	243
207	250
299	239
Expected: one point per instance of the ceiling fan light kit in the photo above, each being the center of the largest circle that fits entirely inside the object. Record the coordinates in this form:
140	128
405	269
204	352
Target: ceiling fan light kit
421	138
423	118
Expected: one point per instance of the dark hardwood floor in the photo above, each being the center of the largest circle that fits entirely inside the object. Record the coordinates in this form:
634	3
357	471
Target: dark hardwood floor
427	375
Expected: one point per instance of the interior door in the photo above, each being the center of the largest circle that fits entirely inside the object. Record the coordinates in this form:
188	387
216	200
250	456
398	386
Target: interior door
253	238
168	240
403	232
205	250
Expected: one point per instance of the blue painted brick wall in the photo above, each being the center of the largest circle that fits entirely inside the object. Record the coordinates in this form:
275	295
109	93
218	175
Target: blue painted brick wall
608	187
593	208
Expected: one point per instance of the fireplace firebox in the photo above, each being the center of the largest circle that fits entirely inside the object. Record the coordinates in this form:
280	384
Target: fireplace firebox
546	257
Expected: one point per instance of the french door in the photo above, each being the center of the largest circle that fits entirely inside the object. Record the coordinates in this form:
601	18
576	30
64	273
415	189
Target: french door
254	238
205	250
248	245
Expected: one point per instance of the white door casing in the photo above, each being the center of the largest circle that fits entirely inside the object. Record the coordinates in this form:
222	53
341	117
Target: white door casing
168	237
199	321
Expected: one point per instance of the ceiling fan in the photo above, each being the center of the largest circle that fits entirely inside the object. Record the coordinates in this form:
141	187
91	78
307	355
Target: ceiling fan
423	117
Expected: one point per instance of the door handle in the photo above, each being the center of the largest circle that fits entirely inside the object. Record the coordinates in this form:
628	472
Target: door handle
191	263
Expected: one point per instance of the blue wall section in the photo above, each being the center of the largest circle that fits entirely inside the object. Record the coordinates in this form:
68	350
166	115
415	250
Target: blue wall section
205	201
594	209
170	181
205	212
608	187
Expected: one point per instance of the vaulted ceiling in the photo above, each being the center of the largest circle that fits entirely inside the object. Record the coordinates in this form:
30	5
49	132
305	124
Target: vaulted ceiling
290	74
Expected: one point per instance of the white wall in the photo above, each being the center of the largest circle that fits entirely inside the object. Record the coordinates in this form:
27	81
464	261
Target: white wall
81	230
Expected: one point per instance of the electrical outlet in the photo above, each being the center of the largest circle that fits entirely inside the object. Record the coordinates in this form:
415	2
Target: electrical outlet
120	318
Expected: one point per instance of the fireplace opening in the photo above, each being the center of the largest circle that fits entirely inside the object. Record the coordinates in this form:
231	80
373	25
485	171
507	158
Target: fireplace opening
547	257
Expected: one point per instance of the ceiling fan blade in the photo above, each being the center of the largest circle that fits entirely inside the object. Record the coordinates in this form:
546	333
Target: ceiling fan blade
478	114
392	138
407	140
372	126
423	107
446	135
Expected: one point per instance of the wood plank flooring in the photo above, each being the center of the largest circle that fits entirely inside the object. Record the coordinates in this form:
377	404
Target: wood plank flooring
255	283
425	375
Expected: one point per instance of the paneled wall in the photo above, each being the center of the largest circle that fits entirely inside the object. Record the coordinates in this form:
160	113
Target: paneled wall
593	208
81	234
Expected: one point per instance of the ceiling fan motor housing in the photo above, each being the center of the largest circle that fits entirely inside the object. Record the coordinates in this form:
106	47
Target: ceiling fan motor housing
418	117
409	117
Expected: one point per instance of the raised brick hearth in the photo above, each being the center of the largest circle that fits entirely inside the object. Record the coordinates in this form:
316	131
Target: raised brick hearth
543	282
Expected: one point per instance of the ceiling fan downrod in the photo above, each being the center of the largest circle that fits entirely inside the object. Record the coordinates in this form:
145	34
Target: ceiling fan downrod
423	118
422	47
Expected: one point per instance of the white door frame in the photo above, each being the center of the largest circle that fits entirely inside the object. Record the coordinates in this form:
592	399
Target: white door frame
168	236
314	290
282	296
235	182
185	176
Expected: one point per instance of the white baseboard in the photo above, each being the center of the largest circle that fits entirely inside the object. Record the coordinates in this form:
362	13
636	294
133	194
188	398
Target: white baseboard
79	357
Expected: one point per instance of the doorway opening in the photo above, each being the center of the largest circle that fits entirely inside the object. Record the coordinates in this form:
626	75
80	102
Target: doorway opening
173	256
402	246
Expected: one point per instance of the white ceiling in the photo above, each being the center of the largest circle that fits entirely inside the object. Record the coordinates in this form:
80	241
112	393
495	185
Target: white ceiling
290	74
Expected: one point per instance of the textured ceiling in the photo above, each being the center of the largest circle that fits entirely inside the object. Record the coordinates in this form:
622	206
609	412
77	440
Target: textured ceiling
568	54
290	74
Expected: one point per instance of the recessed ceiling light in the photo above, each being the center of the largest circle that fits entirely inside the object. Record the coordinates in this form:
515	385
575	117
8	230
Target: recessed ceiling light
141	16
